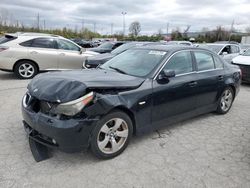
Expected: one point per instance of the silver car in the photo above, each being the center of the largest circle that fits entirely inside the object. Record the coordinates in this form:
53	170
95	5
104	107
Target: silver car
27	54
226	51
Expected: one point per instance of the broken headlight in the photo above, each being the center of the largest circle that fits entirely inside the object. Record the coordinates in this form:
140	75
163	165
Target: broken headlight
73	107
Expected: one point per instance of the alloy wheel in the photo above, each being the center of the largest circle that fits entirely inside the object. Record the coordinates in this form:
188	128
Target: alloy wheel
26	70
112	136
226	100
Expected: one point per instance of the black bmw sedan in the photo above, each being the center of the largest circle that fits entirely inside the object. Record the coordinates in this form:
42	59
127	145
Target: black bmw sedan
137	91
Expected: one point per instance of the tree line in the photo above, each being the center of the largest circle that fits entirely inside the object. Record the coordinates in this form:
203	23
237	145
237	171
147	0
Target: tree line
206	35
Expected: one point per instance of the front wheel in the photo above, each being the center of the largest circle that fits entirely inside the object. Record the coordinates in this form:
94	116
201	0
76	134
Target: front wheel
111	135
226	101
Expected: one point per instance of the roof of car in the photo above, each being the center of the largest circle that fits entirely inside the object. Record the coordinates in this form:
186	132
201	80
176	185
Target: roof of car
166	47
29	34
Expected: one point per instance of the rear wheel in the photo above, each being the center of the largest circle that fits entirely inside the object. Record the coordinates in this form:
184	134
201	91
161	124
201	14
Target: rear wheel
226	101
111	135
25	69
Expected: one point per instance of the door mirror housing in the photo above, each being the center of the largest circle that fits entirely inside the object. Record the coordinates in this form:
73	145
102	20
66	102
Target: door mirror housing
82	50
224	53
166	74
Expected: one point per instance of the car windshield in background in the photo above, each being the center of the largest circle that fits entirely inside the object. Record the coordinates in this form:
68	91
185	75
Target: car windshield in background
106	45
135	62
247	53
5	39
214	48
245	46
123	48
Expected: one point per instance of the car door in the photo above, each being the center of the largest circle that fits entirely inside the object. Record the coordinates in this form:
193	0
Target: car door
43	51
177	96
69	54
210	75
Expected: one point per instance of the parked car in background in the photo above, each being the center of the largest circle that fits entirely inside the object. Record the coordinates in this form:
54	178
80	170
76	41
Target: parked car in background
185	43
226	51
107	47
84	43
243	61
94	61
137	91
27	54
244	47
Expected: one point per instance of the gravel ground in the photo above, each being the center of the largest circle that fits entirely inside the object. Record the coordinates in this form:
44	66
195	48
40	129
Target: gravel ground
208	151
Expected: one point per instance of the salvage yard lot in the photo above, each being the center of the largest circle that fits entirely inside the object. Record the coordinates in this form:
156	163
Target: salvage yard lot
207	151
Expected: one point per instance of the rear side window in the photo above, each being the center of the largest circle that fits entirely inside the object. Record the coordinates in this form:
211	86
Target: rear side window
43	43
26	43
181	63
204	61
117	45
6	38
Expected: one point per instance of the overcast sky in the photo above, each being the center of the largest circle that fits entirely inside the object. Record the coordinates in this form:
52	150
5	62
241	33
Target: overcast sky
152	14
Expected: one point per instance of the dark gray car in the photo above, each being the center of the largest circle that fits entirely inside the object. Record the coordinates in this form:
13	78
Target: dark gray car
93	62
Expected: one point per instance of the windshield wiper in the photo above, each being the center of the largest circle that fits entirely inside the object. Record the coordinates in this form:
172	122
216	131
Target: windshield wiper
117	69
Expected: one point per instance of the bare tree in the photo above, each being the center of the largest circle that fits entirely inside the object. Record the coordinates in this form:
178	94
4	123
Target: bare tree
135	28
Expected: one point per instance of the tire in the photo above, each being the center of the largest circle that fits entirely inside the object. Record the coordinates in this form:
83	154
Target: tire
25	69
111	135
226	101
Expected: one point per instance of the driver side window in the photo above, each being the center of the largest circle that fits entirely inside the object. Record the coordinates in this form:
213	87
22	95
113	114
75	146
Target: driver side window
226	49
181	63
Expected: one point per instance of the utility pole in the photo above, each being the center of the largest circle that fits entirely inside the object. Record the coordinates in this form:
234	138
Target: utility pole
44	25
167	28
38	21
82	25
111	31
94	27
123	14
231	31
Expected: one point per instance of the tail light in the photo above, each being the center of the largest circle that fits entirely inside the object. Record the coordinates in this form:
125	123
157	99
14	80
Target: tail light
3	48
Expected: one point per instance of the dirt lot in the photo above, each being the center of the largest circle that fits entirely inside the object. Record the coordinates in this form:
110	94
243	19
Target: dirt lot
207	151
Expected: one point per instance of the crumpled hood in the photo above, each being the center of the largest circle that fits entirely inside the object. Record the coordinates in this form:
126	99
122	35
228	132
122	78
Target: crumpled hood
70	85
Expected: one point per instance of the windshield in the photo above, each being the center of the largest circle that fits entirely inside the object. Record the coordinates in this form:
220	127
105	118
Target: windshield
135	62
5	39
247	53
123	48
244	47
106	45
214	48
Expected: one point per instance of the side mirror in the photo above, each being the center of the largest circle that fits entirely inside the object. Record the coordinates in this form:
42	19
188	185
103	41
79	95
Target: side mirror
82	50
165	74
224	53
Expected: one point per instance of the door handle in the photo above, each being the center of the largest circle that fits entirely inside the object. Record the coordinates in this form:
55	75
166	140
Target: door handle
62	54
192	84
220	77
34	52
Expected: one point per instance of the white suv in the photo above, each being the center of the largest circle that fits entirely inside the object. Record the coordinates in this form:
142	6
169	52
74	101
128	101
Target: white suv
26	54
226	51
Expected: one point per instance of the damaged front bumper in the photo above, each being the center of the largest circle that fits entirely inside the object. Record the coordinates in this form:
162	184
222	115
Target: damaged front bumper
71	135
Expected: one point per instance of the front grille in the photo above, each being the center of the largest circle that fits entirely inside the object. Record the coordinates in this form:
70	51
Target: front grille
45	107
